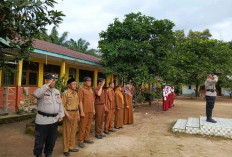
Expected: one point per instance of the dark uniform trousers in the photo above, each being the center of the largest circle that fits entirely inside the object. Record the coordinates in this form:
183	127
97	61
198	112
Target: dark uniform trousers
210	100
45	134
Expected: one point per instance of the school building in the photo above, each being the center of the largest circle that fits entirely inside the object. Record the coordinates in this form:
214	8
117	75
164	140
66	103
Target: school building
47	58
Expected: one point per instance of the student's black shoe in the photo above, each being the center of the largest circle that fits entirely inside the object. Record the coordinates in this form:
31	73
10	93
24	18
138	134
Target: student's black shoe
98	136
102	135
81	145
112	131
89	142
106	132
66	153
117	128
73	150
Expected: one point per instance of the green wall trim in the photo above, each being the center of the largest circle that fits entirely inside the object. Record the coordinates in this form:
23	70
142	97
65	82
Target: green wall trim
64	57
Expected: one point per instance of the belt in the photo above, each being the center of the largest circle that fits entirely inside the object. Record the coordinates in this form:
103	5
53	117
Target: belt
211	90
47	114
73	110
99	103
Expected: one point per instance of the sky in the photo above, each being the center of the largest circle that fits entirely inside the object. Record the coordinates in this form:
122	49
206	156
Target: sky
87	18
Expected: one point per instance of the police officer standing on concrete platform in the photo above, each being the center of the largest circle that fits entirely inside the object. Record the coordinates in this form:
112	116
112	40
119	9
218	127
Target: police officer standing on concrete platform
210	95
50	111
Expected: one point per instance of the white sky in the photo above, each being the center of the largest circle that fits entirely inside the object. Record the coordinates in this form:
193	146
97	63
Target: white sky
87	18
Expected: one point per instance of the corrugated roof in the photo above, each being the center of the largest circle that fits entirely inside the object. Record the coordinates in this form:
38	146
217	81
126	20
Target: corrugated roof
46	46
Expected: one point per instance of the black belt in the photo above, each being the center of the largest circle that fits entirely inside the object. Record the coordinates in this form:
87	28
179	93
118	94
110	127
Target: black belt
73	110
48	114
99	103
211	90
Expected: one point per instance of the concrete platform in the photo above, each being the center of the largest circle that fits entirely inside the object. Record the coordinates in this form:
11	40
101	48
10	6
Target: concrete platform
223	127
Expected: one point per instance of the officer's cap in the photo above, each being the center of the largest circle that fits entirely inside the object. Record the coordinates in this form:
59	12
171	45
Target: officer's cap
71	80
49	76
87	79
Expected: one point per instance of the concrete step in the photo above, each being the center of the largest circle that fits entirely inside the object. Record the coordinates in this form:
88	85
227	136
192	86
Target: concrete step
180	125
223	127
193	126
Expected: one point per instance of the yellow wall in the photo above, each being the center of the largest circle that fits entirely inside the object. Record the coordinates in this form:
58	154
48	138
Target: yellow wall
77	75
107	81
66	73
62	69
95	78
19	73
41	69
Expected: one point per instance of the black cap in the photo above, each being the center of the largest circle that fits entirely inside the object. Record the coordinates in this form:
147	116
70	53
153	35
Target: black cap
87	79
100	80
71	80
49	76
210	72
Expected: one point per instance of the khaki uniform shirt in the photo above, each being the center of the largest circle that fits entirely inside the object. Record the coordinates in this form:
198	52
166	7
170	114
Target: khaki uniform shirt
100	100
210	84
110	99
86	96
49	101
70	100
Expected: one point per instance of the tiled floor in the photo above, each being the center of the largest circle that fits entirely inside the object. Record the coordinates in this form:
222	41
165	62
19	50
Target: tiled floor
223	127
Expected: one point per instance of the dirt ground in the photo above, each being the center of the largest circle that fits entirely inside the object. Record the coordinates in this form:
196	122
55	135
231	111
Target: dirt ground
149	136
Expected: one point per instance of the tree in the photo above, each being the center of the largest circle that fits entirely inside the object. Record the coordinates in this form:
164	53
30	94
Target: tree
23	20
81	45
135	47
197	55
230	44
53	37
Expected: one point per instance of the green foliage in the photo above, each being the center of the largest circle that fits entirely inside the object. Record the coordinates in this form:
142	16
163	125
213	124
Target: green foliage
81	45
135	47
61	85
23	20
196	55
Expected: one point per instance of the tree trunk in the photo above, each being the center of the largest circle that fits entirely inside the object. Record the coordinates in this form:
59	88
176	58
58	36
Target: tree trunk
197	90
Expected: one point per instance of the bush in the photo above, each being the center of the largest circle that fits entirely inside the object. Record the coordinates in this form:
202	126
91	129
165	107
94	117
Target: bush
61	84
149	96
158	95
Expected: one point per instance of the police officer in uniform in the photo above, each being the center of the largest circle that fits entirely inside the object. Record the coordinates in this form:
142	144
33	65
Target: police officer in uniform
50	111
210	95
71	109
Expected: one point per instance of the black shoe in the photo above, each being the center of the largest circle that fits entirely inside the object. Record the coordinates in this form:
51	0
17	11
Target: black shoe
66	153
117	127
81	145
120	127
211	120
38	155
102	135
73	150
112	131
89	142
98	136
48	155
106	132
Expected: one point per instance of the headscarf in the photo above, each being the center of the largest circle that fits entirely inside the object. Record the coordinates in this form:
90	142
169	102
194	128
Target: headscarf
127	90
120	94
